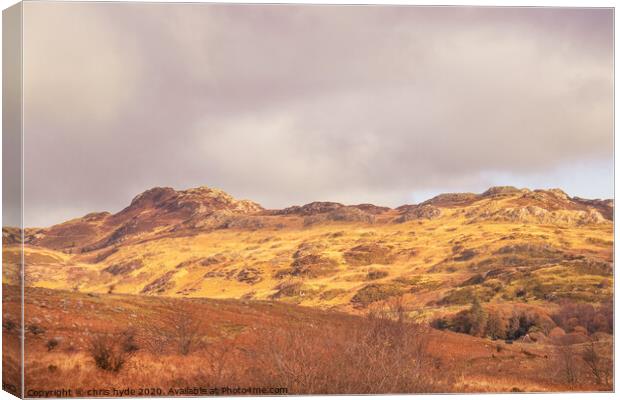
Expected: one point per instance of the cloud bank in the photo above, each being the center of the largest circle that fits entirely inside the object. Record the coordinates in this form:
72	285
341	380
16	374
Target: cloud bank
290	104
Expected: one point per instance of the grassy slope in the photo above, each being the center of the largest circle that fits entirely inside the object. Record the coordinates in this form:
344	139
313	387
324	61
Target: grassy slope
428	262
473	364
424	262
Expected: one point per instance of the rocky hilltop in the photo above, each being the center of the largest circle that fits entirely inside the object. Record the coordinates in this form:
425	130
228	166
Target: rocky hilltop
165	211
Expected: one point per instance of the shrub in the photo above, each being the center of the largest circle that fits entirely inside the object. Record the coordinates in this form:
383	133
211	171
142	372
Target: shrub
8	325
382	353
178	331
51	344
36	329
107	350
128	342
477	321
496	326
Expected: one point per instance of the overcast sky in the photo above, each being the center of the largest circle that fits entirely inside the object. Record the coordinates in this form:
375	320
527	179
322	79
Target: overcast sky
291	104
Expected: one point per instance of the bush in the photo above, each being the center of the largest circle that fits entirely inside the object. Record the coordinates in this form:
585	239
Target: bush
383	353
51	344
109	351
36	329
179	331
477	321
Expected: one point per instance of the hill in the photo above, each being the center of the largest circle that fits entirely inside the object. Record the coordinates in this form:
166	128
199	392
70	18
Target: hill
503	245
509	289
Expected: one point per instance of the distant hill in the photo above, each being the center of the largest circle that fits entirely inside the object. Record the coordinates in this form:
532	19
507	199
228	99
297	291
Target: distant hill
503	245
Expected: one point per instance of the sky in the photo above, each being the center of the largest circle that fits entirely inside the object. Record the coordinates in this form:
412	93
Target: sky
288	104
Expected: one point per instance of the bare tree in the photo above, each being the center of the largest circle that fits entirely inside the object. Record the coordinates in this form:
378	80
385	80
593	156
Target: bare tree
568	364
176	330
184	330
597	364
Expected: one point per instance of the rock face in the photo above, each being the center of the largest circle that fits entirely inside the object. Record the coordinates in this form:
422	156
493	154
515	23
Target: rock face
150	210
317	207
412	213
321	211
539	206
452	200
190	202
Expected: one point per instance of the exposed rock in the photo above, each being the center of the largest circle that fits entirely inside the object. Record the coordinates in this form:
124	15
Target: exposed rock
474	280
417	212
466	255
216	259
199	200
224	219
292	289
534	214
317	207
452	200
531	249
501	190
105	254
312	265
342	214
124	268
309	262
371	208
96	216
160	285
605	207
320	211
250	276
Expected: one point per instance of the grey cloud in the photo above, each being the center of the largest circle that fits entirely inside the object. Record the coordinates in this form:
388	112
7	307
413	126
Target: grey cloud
290	104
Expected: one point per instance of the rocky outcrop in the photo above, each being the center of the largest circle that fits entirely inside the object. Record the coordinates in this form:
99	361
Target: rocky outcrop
452	200
309	262
496	191
187	203
317	207
124	268
534	214
417	212
605	207
342	214
161	284
165	211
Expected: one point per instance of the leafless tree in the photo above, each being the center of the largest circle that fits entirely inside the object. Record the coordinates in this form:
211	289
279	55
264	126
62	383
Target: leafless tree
568	364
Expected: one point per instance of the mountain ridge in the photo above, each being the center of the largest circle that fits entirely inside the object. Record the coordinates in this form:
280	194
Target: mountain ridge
164	209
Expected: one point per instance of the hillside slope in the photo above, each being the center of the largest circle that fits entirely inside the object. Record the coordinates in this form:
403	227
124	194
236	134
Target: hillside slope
243	343
504	245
